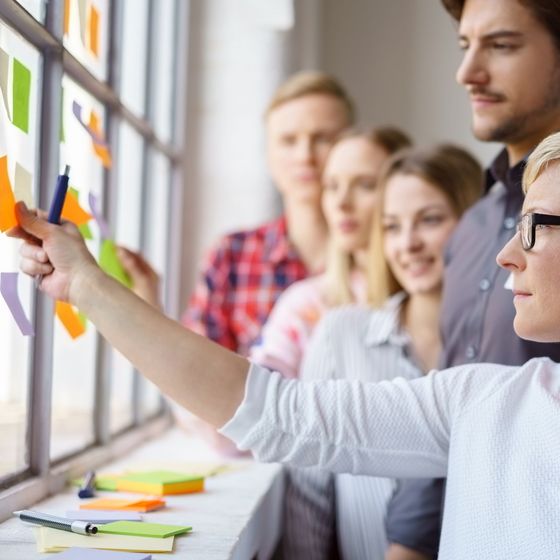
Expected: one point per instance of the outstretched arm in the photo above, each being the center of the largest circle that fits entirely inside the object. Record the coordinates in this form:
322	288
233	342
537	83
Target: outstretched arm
197	373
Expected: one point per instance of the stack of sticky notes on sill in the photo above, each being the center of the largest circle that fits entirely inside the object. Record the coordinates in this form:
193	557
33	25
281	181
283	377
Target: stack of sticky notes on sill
158	483
132	536
76	553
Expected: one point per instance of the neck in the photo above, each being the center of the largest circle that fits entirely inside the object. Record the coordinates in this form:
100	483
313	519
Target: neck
307	231
421	320
360	260
518	150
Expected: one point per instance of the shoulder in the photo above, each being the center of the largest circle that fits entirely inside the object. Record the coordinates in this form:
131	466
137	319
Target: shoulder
474	384
346	320
232	245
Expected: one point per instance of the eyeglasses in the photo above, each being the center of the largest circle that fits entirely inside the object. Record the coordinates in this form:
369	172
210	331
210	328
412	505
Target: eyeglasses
528	224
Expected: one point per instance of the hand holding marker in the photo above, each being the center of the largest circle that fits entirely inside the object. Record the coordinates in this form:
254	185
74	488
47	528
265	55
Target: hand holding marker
57	203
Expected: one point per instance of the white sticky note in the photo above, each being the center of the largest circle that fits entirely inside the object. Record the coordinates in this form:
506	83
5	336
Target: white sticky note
99	516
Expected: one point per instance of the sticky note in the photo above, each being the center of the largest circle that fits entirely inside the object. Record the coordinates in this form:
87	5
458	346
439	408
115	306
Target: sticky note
4	72
70	319
111	264
21	89
23	186
72	211
137	529
9	291
53	540
94	30
99	146
161	482
7	199
82	11
99	516
75	553
123	504
95	210
66	16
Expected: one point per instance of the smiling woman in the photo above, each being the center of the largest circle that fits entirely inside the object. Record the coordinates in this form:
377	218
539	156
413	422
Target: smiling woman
489	428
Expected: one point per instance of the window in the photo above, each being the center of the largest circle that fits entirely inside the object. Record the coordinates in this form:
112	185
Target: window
65	98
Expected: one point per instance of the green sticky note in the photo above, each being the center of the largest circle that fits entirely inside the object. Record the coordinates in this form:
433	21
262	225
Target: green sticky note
110	263
141	529
85	231
160	477
21	90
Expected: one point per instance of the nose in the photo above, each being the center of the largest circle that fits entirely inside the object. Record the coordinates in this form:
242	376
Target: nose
344	196
512	256
411	240
304	150
472	70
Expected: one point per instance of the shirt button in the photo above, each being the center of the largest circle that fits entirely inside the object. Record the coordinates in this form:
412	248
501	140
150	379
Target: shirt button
509	223
484	284
470	352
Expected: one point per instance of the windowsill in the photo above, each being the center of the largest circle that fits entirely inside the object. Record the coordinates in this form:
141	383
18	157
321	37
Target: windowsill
238	516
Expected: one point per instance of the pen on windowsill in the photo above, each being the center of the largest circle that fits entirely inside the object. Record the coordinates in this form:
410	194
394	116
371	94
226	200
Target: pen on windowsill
54	522
57	204
87	489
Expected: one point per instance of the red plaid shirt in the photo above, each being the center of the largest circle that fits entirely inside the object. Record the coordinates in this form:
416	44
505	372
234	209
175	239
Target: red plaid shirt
240	282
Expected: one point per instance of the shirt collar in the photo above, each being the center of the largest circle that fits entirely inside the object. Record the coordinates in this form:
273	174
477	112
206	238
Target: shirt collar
385	325
500	171
277	245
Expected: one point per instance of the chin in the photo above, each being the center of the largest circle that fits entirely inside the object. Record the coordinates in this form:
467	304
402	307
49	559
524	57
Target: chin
536	333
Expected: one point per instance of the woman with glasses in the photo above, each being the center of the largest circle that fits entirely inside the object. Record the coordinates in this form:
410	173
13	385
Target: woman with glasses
493	430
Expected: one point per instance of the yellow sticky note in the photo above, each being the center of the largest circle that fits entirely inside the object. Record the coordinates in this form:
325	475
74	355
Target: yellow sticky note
53	540
70	319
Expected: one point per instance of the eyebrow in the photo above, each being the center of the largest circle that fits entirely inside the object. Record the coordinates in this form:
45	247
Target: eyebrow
499	34
437	206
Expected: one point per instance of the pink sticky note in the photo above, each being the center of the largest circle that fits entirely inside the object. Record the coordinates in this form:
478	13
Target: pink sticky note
9	291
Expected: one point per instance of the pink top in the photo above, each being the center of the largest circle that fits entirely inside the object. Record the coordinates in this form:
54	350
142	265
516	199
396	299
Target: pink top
290	325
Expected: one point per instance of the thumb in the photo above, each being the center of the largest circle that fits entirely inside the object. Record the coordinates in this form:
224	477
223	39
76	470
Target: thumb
31	223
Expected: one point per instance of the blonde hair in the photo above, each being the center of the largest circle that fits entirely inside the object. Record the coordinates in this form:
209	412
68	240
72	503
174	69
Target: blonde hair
339	267
548	151
311	83
450	169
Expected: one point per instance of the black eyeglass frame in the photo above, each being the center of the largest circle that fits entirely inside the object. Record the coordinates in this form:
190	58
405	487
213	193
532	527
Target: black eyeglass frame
528	223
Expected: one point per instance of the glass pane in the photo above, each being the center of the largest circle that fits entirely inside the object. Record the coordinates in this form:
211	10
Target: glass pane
134	55
86	33
75	358
20	75
129	213
35	7
163	75
157	205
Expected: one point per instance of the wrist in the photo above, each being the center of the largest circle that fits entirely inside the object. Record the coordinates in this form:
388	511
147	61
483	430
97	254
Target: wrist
83	284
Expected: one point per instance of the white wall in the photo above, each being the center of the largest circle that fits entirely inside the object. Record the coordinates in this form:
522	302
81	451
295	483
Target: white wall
398	58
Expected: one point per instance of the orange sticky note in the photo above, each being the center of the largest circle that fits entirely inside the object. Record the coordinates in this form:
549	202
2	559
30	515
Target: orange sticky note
66	16
100	149
70	319
7	199
94	31
73	212
127	505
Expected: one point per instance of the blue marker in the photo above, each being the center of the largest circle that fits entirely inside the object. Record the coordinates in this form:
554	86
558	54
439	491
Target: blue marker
57	204
59	197
87	489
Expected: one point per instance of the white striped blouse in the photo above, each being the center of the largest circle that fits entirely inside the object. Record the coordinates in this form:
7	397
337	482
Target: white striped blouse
371	346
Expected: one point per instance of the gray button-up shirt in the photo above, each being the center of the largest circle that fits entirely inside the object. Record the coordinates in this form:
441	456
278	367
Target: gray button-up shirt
478	312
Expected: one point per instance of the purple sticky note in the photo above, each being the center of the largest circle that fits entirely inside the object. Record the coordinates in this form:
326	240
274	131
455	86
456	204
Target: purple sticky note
9	291
77	111
102	224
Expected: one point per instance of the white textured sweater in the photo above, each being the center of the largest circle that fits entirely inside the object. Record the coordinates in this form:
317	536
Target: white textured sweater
493	430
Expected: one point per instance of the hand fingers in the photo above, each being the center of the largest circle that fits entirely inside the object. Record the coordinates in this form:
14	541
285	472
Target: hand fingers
34	268
34	252
19	233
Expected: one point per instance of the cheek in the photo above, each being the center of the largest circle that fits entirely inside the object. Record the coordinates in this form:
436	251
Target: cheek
328	205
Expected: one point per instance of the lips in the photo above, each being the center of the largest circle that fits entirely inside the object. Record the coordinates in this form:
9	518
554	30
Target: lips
348	226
